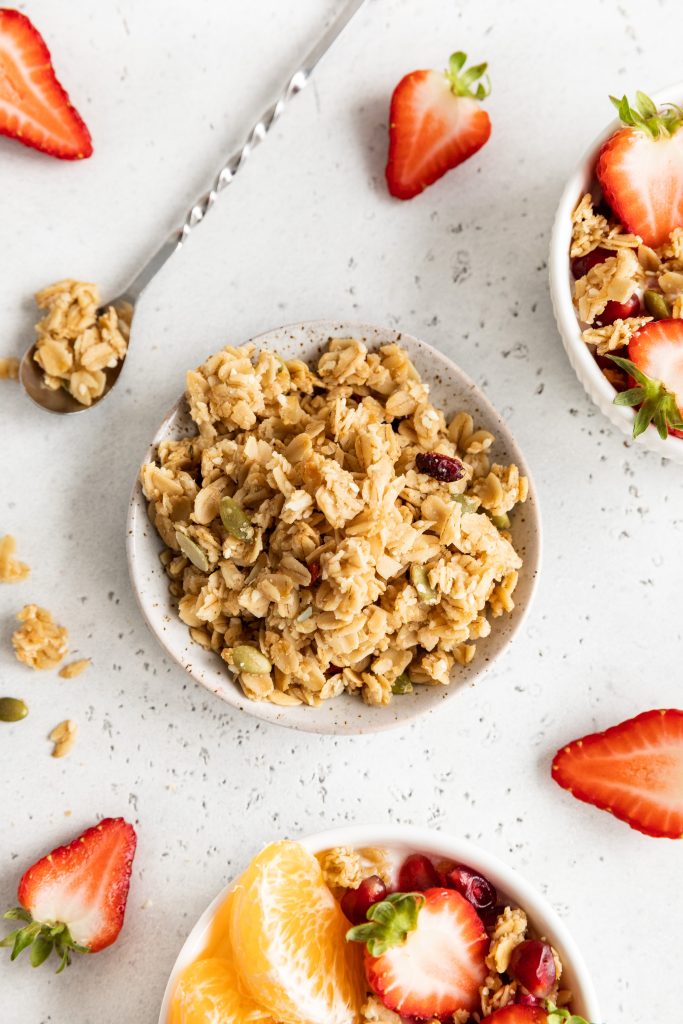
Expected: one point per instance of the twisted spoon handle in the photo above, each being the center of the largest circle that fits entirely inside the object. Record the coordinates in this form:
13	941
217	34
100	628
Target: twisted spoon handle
258	132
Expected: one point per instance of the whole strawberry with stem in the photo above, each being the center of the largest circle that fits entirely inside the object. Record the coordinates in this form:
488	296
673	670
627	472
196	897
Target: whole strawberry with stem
436	121
640	168
74	899
655	365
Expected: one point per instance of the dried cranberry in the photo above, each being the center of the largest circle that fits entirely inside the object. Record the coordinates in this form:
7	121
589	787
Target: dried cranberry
356	902
476	889
618	311
417	874
532	964
441	467
314	569
582	264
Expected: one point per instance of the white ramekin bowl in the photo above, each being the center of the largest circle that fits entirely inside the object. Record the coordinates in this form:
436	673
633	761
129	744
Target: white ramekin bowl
408	839
451	389
586	369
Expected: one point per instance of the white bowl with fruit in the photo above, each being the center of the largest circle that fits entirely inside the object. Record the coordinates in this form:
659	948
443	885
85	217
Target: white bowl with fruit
615	271
379	923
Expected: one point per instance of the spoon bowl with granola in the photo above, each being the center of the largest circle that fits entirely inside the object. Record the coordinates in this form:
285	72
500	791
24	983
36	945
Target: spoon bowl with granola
616	271
386	924
333	529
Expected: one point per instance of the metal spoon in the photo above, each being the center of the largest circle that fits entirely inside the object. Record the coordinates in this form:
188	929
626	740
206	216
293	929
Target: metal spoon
31	374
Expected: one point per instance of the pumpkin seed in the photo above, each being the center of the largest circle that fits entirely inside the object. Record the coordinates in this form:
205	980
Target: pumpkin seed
192	551
402	684
656	305
235	519
501	522
250	659
466	504
12	709
418	577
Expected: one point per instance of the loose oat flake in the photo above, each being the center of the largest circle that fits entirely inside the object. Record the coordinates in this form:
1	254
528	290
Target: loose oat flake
11	569
74	668
63	736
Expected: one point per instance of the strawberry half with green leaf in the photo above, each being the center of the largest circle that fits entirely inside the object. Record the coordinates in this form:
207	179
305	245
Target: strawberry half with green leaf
74	900
34	108
435	123
424	953
640	169
655	364
633	770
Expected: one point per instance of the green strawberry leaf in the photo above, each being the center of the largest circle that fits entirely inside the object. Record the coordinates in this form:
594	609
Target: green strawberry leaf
40	951
389	922
646	117
561	1015
658	405
462	82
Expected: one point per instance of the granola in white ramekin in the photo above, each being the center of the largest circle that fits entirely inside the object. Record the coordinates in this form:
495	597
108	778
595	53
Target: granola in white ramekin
326	529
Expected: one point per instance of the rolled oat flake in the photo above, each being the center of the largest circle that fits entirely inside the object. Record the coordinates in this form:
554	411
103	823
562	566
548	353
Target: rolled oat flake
12	709
192	551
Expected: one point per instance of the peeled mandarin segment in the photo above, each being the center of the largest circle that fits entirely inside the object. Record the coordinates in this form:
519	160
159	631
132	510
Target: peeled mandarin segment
217	942
208	992
288	937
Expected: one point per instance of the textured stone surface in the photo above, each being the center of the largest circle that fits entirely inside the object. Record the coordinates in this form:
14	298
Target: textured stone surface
308	231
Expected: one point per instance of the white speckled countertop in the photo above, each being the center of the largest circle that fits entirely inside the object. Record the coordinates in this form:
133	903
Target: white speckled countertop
308	231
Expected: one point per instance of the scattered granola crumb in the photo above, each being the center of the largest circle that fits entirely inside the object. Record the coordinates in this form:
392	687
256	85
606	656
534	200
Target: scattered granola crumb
74	668
76	342
9	368
344	868
11	570
39	643
374	1011
63	736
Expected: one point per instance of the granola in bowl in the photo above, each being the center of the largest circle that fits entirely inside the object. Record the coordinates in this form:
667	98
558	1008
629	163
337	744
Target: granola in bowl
327	529
376	933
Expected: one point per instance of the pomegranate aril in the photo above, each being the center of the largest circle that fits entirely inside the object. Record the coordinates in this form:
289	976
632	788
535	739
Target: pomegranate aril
582	264
618	311
417	874
438	466
474	887
524	999
355	903
532	964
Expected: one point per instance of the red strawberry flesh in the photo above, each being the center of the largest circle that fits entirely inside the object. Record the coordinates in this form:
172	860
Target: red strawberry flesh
34	107
634	770
518	1014
84	884
439	968
657	350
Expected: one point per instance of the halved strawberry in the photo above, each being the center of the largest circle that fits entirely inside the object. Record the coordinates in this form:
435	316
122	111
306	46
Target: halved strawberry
74	899
435	122
34	108
656	366
425	953
516	1014
634	770
640	169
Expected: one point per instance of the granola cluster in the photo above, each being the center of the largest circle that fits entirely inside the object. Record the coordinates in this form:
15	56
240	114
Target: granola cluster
633	268
76	342
302	542
39	642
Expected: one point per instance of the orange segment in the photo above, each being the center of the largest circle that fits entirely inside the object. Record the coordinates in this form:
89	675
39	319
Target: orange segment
288	940
208	992
217	942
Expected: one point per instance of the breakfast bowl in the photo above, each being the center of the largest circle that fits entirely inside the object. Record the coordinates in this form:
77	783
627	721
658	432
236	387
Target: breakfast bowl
450	390
393	858
581	182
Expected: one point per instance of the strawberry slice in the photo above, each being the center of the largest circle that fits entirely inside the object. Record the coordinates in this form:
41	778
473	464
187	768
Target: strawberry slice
634	770
656	366
640	169
74	900
516	1014
435	123
425	953
34	108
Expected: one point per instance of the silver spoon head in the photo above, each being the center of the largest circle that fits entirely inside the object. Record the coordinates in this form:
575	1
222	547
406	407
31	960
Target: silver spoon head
59	400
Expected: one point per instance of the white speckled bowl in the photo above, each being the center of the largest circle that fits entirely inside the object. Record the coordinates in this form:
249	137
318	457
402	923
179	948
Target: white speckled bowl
586	369
404	839
451	389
